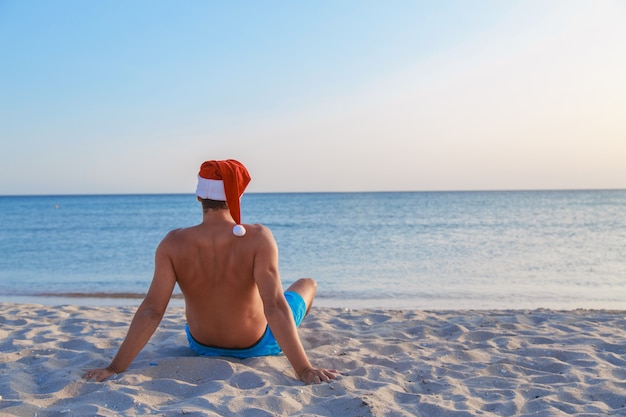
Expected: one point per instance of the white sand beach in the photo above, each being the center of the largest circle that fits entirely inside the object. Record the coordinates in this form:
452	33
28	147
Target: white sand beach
393	363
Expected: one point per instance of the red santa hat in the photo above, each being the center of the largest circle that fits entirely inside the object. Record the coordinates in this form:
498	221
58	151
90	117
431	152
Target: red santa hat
224	181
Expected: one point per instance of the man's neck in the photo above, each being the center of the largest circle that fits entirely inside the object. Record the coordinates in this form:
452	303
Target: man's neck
217	216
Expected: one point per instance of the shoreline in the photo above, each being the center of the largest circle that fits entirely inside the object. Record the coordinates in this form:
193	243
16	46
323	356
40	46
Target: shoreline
422	304
393	362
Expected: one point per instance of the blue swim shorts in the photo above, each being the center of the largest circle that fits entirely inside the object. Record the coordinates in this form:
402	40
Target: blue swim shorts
266	346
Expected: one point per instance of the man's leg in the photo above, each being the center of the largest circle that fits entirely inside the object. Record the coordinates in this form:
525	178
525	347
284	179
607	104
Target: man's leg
306	287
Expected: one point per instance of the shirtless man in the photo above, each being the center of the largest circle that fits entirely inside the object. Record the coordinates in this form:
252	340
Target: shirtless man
228	274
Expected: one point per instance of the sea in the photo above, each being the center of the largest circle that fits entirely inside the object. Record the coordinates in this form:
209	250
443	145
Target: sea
390	250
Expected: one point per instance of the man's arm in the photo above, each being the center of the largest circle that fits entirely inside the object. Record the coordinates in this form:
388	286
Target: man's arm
278	313
146	319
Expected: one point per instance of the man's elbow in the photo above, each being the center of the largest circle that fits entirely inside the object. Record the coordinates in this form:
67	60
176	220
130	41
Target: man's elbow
275	308
152	313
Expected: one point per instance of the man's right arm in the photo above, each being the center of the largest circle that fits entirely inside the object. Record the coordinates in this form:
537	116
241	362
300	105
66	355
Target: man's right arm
146	319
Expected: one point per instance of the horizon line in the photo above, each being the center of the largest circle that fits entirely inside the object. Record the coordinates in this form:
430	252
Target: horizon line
499	190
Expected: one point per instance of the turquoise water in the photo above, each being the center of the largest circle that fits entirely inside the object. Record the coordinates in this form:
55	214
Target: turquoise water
440	250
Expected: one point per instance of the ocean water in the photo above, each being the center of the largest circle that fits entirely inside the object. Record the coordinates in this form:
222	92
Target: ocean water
422	250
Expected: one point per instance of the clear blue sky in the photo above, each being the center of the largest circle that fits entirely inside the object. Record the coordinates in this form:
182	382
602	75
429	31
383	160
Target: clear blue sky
341	95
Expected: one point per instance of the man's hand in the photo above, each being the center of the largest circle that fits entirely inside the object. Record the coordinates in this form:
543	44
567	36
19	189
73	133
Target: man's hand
317	375
99	374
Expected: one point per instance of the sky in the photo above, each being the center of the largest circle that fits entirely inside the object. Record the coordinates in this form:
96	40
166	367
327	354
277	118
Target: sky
122	97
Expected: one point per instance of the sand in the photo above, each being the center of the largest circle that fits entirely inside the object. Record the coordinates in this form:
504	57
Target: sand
393	363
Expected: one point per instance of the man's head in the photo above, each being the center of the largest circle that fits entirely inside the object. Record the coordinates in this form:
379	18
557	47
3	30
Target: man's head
224	181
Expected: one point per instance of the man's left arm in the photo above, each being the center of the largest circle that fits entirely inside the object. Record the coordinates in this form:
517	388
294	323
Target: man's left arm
146	319
279	316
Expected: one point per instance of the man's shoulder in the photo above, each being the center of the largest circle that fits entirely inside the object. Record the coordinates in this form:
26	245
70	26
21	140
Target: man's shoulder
258	230
176	235
252	230
257	227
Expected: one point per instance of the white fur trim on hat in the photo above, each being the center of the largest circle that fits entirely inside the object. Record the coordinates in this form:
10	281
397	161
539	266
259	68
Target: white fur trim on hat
210	189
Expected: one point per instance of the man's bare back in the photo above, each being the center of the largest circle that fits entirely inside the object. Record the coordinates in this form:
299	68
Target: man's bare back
215	272
232	293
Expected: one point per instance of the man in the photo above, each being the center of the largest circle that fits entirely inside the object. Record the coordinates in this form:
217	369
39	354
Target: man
228	274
